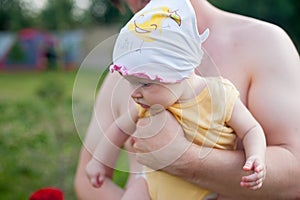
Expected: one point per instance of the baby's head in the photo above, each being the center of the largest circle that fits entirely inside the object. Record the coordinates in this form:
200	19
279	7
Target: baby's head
160	43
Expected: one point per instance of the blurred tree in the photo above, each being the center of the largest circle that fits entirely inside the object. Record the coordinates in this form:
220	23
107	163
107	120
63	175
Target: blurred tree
13	15
293	23
102	11
62	14
57	15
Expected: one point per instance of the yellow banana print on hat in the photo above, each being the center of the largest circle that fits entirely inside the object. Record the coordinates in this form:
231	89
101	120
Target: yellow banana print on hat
152	20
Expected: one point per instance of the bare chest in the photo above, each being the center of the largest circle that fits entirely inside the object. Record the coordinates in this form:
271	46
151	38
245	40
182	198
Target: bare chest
230	64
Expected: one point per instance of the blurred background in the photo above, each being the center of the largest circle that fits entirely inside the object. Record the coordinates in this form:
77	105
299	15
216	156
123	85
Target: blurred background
42	44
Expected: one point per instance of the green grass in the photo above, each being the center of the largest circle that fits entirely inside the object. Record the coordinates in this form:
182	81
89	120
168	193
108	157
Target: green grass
39	144
24	85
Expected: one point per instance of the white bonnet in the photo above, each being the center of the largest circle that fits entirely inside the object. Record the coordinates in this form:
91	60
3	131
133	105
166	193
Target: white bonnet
161	42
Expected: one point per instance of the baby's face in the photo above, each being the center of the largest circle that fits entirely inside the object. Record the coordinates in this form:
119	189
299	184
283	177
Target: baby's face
148	93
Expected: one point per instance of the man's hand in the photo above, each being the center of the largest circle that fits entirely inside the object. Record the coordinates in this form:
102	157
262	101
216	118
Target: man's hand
159	140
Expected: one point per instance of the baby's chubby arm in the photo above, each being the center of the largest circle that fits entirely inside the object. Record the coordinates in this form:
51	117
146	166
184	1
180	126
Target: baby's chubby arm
108	149
254	142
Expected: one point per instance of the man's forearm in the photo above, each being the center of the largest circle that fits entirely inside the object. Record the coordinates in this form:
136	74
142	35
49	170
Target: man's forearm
221	171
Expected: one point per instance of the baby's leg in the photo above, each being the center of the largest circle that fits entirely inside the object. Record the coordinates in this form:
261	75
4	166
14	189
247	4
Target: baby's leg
138	190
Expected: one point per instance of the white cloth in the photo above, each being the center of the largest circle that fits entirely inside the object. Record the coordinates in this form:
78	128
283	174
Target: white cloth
161	42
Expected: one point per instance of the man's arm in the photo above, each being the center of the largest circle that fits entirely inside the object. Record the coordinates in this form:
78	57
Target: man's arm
102	118
83	189
273	99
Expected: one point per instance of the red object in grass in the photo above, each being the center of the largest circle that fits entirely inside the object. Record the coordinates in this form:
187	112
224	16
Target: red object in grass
47	193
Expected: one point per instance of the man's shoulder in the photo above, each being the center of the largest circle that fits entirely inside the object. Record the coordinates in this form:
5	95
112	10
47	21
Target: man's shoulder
253	31
247	38
257	42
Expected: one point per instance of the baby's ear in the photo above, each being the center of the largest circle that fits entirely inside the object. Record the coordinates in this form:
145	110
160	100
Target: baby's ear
155	109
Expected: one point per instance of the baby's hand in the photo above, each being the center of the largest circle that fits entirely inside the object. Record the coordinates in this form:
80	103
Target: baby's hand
255	179
95	172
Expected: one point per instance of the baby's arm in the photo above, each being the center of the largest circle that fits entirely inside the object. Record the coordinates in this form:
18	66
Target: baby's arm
254	142
108	149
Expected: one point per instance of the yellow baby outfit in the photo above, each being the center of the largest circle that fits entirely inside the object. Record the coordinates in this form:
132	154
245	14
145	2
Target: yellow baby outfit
203	120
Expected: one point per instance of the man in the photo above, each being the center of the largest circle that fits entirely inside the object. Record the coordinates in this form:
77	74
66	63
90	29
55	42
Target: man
262	62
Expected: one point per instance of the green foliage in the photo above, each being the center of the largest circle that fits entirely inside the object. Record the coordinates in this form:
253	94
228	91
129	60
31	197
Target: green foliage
13	15
39	144
17	53
102	11
51	91
57	15
62	14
